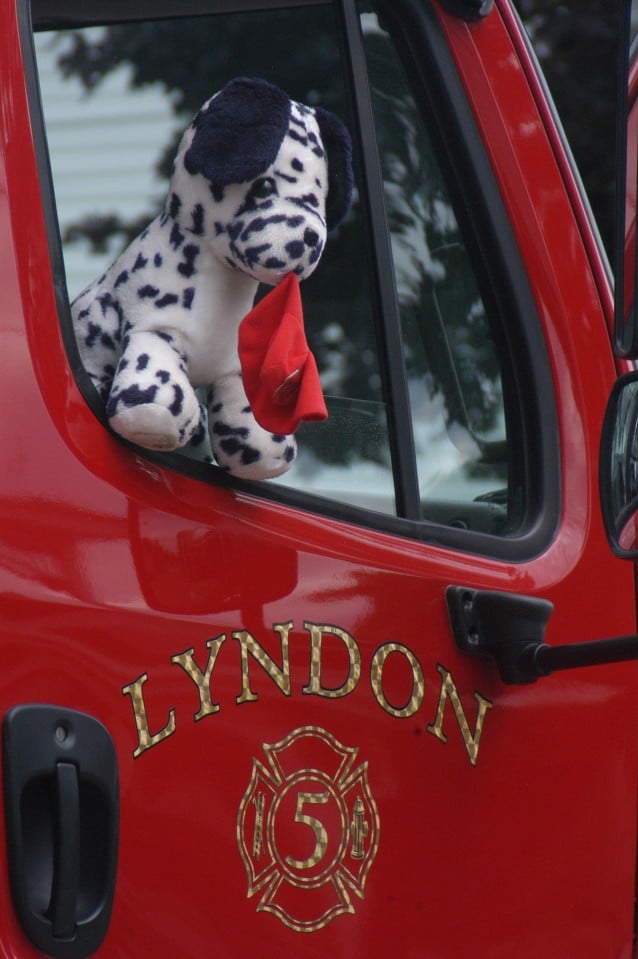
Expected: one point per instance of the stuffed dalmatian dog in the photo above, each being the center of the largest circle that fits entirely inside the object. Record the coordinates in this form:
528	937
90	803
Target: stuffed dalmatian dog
257	182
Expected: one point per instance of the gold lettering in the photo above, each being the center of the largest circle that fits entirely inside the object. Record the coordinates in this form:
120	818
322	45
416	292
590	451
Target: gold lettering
202	680
376	680
320	831
315	686
449	691
146	739
279	674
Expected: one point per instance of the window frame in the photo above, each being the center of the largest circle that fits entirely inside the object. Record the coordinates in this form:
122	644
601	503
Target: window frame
498	265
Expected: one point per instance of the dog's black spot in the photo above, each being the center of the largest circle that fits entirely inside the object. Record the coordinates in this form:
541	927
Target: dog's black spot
177	405
163	376
222	429
157	259
278	437
147	292
169	299
106	302
176	238
287	176
140	262
289	455
298	136
250	455
93	332
231	446
217	192
167	337
187	297
122	278
316	253
197	214
132	396
253	253
273	263
142	362
295	249
190	254
234	229
174	206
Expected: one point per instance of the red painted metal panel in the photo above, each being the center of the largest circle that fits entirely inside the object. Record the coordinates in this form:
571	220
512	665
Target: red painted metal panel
365	788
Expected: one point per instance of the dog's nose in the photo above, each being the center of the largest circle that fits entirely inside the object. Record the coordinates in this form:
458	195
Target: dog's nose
310	238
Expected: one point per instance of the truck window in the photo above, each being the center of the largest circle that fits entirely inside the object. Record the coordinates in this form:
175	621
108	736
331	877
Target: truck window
116	100
452	361
111	182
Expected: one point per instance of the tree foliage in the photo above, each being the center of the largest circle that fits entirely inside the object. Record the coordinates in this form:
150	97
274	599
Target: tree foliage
576	44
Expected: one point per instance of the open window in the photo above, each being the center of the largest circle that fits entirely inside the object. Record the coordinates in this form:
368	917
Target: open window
428	433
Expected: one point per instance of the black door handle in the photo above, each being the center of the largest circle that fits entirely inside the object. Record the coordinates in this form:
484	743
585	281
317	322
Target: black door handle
62	819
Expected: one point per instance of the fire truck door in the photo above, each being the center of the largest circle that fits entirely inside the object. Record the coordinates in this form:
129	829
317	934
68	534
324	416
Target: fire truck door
306	763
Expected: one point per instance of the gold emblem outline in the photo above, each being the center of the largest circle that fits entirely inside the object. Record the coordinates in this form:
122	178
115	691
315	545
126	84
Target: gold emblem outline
269	781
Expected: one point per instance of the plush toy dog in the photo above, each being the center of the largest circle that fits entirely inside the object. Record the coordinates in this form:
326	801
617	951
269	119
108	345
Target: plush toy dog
258	181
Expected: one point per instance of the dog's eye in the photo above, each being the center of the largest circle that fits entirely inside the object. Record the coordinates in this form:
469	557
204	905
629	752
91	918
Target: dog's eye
263	188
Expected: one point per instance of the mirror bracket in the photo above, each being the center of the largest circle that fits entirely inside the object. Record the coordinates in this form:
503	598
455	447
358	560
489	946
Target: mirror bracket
510	628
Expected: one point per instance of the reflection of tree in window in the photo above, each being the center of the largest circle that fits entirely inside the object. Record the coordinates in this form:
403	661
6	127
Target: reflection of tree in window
576	46
451	360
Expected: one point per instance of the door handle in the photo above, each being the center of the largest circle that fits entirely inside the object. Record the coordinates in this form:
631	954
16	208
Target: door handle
62	824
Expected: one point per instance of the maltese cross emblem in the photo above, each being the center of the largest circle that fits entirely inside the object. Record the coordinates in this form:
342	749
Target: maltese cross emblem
307	829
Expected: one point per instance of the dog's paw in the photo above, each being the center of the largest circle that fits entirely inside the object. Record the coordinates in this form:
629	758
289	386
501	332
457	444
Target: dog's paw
240	446
152	426
152	402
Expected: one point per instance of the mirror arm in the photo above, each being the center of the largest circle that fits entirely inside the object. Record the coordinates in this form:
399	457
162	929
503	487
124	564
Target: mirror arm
510	628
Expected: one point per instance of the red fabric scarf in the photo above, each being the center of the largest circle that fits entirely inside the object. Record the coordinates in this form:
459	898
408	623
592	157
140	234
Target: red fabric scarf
279	372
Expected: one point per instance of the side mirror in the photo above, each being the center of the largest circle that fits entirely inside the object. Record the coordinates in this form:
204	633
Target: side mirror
619	467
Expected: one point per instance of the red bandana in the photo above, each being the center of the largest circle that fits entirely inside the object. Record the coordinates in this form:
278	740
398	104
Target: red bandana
279	371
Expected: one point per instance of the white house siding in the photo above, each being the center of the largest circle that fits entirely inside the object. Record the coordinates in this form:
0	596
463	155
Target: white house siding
103	147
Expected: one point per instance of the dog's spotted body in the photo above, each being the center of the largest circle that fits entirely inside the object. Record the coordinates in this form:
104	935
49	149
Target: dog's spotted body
257	182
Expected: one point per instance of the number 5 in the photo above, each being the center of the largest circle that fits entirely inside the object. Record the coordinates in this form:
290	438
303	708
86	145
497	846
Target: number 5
321	835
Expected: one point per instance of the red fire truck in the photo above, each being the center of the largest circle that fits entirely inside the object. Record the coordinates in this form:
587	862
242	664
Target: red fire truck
345	713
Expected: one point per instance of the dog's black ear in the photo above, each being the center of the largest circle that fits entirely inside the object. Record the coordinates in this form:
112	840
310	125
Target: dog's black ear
239	132
338	146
